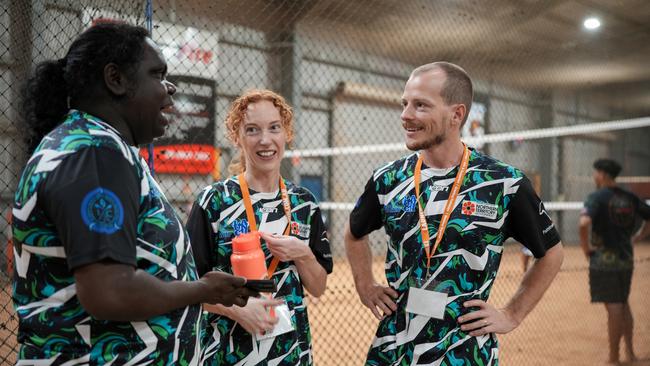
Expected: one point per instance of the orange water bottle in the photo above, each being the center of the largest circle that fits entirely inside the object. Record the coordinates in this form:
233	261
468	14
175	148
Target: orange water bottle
247	257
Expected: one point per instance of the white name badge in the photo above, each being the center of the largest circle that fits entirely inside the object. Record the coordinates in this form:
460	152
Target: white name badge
426	302
283	326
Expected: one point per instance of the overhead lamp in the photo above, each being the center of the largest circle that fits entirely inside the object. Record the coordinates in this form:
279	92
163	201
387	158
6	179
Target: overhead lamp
591	23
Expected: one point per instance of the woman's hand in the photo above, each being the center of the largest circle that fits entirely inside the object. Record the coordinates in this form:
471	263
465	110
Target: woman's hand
255	316
289	248
286	248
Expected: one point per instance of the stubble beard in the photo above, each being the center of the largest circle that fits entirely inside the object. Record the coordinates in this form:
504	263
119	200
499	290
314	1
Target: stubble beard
433	141
429	143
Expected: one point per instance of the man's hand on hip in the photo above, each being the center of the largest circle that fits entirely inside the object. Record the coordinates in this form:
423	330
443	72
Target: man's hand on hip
378	298
487	319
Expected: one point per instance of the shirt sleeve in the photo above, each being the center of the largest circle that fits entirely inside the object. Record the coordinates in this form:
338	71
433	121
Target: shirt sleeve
529	223
319	243
93	199
644	210
366	215
201	238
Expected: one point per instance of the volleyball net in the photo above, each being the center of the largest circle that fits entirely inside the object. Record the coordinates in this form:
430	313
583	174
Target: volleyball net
558	160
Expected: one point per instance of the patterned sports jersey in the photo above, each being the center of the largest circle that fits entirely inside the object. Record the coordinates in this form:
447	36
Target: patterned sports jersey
86	196
217	217
495	202
615	215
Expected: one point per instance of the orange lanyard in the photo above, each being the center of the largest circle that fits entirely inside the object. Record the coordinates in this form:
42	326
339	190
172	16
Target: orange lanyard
250	214
449	206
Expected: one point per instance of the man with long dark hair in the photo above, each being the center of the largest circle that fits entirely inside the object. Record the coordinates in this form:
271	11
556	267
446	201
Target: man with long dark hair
104	271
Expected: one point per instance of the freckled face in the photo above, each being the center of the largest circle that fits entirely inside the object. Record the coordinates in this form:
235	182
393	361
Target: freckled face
262	137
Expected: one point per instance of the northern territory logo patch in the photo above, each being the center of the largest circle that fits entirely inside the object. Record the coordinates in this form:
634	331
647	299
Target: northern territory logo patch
299	229
480	209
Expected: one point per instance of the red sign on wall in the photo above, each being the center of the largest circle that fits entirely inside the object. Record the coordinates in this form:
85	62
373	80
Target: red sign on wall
184	158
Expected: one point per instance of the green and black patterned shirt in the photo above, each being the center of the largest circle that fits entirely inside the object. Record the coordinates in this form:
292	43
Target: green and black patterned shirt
86	196
217	217
496	201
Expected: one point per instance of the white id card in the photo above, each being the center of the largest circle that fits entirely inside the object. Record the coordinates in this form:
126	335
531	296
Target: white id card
426	302
283	326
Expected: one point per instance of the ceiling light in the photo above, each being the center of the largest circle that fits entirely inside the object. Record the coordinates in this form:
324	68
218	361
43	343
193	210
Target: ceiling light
591	23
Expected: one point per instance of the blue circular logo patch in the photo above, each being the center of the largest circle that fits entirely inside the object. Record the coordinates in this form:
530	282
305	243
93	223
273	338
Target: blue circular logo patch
102	211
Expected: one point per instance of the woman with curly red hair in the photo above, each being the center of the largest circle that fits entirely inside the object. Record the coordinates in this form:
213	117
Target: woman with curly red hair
260	125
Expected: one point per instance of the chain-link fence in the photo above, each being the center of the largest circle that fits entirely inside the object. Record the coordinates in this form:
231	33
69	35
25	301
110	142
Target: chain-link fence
342	65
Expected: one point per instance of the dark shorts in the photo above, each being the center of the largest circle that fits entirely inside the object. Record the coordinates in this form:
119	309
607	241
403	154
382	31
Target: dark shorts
610	286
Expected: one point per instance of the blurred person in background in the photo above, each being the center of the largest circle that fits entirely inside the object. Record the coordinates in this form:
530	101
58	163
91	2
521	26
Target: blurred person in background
260	124
448	210
104	272
610	213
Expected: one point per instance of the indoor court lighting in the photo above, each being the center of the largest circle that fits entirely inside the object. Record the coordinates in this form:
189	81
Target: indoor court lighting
591	23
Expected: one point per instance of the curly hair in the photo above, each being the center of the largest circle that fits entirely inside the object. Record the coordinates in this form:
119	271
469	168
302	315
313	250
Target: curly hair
237	113
55	85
